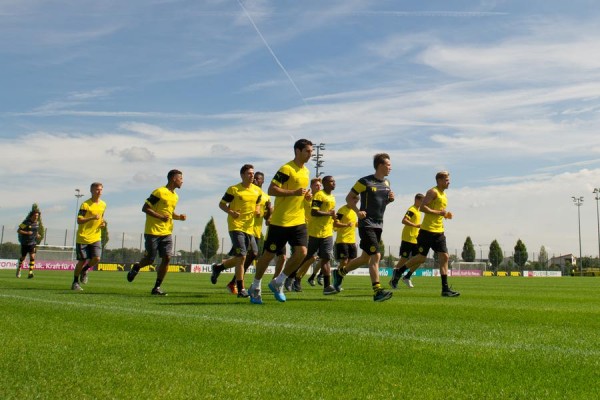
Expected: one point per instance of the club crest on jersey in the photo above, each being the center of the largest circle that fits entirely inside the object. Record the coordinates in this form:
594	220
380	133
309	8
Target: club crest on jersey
373	248
272	247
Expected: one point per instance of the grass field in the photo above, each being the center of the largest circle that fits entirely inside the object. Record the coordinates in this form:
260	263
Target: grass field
503	338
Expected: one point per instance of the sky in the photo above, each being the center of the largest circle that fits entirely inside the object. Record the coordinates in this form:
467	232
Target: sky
503	94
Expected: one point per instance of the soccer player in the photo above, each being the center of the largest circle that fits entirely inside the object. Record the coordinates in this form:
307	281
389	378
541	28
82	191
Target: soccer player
241	202
320	234
294	281
408	246
288	223
262	216
28	233
374	193
88	247
431	235
345	241
160	213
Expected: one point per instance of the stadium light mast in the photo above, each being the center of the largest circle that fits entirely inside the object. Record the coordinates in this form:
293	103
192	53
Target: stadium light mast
597	193
317	158
578	201
78	195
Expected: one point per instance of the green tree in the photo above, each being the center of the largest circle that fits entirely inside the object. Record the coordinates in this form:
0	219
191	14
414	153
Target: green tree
495	255
209	244
521	254
543	257
468	251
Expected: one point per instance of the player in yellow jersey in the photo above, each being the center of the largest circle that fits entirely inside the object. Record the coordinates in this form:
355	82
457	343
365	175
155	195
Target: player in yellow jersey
241	202
320	234
374	193
408	246
263	215
160	213
293	282
345	241
90	221
288	223
431	235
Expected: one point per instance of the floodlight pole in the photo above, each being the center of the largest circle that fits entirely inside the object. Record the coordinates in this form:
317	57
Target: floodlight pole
597	192
578	201
78	195
317	158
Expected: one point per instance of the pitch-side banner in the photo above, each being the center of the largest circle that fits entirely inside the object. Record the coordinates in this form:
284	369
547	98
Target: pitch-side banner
8	264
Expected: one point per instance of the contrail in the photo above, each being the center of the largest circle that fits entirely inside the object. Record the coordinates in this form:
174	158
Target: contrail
272	53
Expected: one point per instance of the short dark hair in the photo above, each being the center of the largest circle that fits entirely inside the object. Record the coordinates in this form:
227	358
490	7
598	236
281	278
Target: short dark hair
419	196
327	178
245	168
172	173
442	174
380	158
258	173
94	185
302	143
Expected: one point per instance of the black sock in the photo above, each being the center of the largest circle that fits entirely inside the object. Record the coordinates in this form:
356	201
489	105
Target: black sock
444	282
219	268
312	277
157	284
76	279
240	285
401	270
85	268
408	275
326	280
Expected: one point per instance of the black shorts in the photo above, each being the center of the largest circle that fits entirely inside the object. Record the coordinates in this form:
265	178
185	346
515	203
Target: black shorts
161	245
407	249
278	236
369	239
322	246
27	249
431	240
242	243
345	251
88	251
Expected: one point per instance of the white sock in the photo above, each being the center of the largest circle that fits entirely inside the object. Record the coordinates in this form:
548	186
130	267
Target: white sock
256	284
280	279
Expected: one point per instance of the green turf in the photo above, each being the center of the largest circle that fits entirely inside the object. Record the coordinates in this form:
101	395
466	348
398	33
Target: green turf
503	338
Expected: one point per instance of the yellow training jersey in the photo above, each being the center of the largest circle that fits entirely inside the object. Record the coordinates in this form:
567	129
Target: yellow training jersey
90	231
321	227
259	219
289	210
162	201
346	234
431	222
410	233
243	200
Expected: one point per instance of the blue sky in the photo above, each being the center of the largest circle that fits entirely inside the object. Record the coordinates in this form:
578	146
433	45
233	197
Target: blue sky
503	94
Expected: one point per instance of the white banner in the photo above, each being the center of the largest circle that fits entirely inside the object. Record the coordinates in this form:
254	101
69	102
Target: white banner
8	264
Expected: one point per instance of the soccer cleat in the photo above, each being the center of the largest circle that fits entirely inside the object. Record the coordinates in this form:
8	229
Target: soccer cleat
75	286
243	293
30	276
320	280
214	275
158	292
232	288
337	280
382	295
394	284
255	295
311	281
83	278
296	286
133	272
18	272
289	281
408	283
277	291
329	290
449	293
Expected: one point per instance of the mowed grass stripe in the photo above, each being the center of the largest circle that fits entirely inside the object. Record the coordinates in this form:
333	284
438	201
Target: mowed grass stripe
328	329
